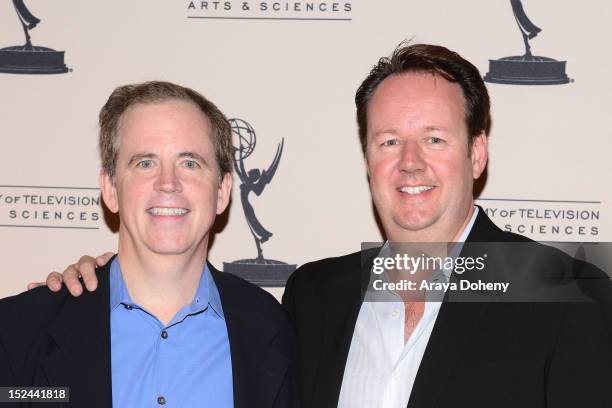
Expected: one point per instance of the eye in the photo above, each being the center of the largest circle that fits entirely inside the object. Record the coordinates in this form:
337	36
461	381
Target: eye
390	142
145	164
435	140
191	164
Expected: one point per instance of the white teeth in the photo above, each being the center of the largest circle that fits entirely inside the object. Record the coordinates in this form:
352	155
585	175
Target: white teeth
167	211
415	190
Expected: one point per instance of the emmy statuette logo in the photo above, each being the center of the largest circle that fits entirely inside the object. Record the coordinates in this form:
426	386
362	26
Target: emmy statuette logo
527	69
28	58
259	270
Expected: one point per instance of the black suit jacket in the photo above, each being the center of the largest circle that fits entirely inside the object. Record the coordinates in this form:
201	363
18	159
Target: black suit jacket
479	354
54	339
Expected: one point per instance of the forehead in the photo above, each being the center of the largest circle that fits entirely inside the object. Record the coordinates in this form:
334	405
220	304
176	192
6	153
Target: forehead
168	123
417	98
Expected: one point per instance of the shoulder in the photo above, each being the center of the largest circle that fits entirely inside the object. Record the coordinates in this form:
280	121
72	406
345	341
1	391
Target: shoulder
333	262
30	313
318	279
243	289
236	292
323	269
26	319
485	230
541	266
28	309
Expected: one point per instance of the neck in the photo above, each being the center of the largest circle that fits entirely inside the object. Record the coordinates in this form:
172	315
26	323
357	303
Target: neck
161	284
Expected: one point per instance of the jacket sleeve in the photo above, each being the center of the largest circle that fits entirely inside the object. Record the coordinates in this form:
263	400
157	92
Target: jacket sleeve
7	377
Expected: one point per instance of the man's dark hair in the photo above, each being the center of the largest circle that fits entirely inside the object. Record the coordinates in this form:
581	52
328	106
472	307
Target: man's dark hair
437	60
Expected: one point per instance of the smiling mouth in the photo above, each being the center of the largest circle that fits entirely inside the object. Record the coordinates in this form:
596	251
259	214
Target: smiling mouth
415	190
167	211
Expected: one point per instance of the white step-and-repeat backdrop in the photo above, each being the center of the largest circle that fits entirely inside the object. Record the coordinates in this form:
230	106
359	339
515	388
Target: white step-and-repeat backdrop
289	69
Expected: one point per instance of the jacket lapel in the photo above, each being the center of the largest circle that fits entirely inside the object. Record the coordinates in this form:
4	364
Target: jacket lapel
81	359
257	369
343	299
455	324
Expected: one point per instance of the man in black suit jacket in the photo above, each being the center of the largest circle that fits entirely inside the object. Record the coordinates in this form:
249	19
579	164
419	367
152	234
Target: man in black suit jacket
167	160
55	339
423	117
479	354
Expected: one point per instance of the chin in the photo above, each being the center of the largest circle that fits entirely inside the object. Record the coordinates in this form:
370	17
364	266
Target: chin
169	247
414	220
168	250
414	226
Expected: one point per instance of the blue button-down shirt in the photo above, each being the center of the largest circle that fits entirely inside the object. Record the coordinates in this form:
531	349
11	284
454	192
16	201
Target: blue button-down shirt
184	364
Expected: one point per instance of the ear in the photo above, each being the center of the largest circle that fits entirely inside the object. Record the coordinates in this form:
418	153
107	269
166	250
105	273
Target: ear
225	190
480	154
109	191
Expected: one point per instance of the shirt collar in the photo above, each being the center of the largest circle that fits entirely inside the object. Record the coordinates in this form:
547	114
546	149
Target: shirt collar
118	291
454	253
443	274
469	226
385	250
206	295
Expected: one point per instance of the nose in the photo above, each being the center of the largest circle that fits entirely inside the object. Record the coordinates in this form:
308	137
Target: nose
411	160
167	180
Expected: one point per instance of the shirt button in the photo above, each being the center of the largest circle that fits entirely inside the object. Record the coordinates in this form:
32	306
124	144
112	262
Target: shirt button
161	400
164	335
394	313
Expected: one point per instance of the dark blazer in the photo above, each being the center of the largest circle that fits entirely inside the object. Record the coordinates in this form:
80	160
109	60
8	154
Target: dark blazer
54	339
479	354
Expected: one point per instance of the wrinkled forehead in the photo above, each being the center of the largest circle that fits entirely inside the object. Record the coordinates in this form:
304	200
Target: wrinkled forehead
170	111
163	122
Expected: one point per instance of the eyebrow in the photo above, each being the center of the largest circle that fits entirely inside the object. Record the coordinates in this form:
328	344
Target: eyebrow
140	156
440	128
193	155
392	131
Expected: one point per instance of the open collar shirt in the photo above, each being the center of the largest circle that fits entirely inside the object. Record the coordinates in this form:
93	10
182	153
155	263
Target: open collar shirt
186	363
381	368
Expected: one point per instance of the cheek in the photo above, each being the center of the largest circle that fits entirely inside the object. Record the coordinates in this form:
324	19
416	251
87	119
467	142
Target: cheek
381	185
131	192
205	195
453	167
381	166
377	177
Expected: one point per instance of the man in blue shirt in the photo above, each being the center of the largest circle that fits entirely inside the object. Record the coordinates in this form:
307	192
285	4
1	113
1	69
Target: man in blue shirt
165	328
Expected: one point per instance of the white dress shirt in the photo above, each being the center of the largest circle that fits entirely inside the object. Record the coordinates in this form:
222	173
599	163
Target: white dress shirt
381	367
